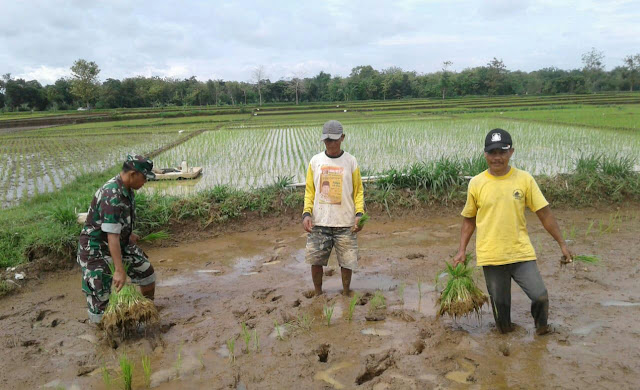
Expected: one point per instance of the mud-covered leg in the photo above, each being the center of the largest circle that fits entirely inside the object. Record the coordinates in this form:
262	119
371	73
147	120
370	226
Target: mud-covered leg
96	285
346	280
140	270
316	275
498	280
346	244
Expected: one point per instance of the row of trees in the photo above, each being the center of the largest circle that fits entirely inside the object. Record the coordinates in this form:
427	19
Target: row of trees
364	83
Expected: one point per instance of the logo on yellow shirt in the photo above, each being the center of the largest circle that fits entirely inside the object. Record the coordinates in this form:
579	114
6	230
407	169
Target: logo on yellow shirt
518	194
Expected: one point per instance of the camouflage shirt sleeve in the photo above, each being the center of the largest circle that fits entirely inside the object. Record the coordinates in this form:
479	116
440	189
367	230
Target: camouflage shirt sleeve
110	211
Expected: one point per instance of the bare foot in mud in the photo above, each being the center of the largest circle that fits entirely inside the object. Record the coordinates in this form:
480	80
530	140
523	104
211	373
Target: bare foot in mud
347	293
548	330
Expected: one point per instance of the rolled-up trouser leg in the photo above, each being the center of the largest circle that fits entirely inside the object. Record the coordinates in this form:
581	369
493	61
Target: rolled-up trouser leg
139	269
527	275
498	278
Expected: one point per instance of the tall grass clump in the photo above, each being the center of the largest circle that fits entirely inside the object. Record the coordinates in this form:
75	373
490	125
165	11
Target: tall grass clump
460	296
127	311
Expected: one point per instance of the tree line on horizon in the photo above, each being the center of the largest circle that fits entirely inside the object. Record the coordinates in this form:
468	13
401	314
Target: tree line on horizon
83	88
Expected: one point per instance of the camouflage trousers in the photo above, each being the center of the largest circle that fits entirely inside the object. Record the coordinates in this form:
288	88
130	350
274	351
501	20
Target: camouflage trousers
96	276
323	239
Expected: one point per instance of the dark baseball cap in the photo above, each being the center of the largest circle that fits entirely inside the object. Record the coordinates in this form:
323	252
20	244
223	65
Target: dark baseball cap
142	165
497	139
332	130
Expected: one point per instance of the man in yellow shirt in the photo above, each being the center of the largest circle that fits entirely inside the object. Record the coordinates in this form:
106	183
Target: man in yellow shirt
496	200
331	215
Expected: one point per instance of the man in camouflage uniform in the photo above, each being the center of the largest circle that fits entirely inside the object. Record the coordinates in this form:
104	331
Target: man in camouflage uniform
108	239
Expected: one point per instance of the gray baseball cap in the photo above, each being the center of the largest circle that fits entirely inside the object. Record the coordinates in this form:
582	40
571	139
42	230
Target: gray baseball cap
332	130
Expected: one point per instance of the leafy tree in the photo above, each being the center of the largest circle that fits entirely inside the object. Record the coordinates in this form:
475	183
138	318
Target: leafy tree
632	67
85	80
445	78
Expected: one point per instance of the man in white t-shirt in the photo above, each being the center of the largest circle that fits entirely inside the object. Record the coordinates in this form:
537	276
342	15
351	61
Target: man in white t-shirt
331	215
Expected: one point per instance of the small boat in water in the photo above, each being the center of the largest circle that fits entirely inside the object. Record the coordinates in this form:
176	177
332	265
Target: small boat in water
183	172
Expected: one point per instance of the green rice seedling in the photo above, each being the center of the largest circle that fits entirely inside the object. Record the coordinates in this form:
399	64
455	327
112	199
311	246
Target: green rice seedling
146	370
352	306
126	369
246	336
587	259
279	335
419	294
378	301
365	217
106	376
303	322
460	295
127	310
572	232
178	364
589	228
161	235
328	313
231	346
256	340
400	291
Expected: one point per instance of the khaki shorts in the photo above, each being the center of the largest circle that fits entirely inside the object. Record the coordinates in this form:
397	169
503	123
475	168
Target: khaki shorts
322	239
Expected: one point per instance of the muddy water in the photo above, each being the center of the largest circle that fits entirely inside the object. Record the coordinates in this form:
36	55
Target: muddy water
207	289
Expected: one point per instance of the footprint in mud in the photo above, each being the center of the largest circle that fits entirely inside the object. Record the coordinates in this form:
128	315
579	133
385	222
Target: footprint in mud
323	352
376	365
327	375
464	376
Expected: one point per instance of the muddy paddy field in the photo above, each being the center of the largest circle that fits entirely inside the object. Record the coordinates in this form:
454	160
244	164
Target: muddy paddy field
257	276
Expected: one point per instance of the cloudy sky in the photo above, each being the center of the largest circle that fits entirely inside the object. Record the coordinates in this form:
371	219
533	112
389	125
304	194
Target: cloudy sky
227	39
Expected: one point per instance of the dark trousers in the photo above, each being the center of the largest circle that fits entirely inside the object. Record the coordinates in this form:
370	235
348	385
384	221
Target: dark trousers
528	277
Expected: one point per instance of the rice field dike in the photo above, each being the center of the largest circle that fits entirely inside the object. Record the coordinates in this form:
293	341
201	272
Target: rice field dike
582	148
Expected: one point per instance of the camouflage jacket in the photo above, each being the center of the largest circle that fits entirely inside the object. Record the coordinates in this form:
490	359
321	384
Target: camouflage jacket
112	210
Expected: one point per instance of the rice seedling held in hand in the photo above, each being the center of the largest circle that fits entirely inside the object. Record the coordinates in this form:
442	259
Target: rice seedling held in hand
127	311
460	296
352	306
365	217
126	369
587	259
246	336
328	313
161	235
146	370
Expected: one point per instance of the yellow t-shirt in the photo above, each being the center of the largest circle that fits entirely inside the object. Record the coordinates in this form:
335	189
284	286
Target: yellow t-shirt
498	204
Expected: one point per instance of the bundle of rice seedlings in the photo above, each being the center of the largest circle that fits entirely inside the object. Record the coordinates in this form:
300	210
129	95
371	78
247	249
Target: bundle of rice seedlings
363	220
460	296
161	235
587	259
128	310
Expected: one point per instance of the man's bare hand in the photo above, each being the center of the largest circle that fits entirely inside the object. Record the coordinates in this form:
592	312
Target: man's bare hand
119	279
356	227
133	238
459	258
307	224
567	255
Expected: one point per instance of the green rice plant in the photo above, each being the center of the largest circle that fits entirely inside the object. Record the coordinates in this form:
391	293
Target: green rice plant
378	301
589	228
106	376
231	347
126	369
303	322
246	336
365	217
460	295
127	310
328	313
146	370
587	259
178	363
352	306
400	291
161	235
256	340
278	334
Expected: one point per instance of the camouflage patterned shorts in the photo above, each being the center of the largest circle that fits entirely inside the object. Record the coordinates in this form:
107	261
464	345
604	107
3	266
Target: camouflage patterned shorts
322	239
96	277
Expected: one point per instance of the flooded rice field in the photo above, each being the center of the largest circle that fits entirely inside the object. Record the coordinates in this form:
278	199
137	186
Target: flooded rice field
207	289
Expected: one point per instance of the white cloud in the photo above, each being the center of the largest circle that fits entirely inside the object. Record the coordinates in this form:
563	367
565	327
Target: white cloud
44	74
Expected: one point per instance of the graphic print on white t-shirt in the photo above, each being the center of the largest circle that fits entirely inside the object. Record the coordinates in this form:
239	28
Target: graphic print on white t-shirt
330	185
